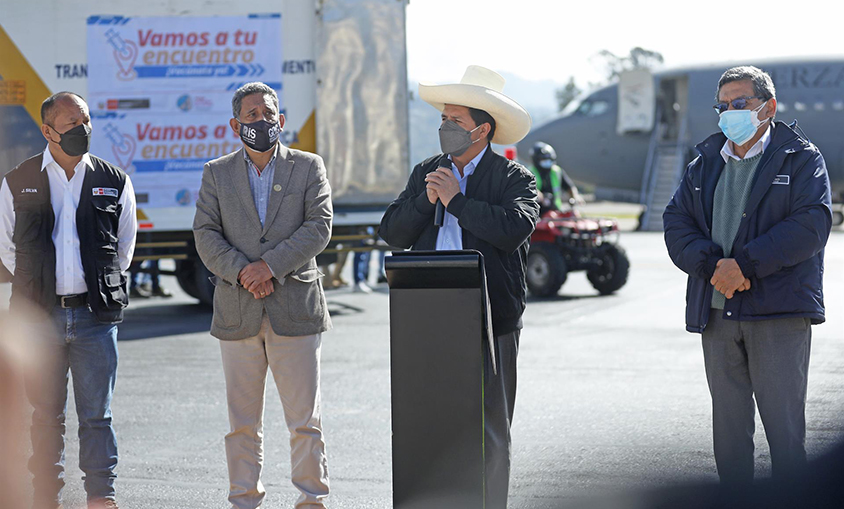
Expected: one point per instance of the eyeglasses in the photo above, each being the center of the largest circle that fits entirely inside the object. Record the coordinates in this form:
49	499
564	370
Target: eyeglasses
738	104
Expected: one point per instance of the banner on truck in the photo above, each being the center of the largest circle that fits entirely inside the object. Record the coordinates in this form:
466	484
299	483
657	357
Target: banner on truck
160	92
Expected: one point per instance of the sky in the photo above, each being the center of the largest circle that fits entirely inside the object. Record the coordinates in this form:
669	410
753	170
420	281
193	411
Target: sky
556	39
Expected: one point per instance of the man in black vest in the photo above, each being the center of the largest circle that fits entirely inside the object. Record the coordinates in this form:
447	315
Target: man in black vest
68	235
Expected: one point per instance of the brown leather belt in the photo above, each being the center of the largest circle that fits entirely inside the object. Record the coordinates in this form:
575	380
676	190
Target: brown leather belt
72	301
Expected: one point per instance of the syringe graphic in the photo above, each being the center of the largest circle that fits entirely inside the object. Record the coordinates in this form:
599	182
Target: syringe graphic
122	145
125	53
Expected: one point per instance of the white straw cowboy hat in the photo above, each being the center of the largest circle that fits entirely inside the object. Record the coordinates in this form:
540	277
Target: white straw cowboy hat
482	89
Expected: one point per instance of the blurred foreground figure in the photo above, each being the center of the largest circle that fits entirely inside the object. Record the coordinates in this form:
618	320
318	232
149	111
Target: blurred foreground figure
17	363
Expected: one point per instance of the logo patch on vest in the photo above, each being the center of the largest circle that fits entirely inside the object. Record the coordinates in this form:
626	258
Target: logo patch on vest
105	191
29	190
781	180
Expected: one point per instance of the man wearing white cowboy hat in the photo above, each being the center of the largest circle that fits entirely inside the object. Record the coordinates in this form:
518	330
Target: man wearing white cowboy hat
491	206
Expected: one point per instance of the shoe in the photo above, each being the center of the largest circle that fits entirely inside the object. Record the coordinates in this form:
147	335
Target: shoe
162	292
334	284
146	287
361	287
138	293
102	503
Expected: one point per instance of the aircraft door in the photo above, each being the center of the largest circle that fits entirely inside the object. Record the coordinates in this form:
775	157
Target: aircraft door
673	101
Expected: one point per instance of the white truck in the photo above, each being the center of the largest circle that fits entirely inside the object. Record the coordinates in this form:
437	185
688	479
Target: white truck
159	76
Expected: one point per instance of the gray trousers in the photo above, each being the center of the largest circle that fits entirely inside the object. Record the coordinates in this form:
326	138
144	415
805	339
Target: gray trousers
499	401
768	359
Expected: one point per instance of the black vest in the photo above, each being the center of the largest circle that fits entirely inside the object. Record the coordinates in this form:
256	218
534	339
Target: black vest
97	219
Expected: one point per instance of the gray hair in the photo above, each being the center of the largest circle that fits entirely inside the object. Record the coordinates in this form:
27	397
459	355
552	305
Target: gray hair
763	85
256	87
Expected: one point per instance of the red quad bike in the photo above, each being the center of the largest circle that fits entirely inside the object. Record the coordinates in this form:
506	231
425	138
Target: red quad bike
564	242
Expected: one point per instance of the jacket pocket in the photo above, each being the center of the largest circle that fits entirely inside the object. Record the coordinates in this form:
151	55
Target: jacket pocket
113	290
27	228
226	305
304	295
108	221
307	275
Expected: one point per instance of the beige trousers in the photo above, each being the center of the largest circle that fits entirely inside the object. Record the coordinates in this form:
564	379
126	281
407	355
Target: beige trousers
294	362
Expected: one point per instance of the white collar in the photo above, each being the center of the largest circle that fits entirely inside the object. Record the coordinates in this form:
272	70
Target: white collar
756	149
48	158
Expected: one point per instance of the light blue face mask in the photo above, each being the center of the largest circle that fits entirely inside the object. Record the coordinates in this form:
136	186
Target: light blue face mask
740	125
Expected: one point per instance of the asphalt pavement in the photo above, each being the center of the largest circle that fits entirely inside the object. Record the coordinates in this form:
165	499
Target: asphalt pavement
612	401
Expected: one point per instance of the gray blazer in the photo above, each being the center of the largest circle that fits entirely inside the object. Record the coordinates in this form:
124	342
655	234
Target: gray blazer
297	227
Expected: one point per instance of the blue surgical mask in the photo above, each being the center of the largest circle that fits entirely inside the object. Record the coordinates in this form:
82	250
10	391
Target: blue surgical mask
740	125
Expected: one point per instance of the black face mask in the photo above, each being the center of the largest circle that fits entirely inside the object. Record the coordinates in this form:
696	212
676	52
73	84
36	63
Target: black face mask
260	136
76	141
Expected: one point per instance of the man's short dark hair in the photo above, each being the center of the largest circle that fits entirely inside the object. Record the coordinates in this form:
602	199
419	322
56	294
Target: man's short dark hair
48	107
763	85
256	87
482	117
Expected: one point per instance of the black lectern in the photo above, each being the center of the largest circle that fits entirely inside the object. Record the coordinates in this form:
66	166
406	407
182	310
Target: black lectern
439	318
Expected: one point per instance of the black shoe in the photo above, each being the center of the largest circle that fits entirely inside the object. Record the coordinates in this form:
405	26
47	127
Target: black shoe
162	292
138	293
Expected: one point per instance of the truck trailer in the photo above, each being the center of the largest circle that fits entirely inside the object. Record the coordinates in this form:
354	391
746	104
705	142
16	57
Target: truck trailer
159	76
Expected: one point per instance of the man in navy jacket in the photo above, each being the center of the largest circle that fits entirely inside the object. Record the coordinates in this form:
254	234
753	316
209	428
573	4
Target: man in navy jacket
748	224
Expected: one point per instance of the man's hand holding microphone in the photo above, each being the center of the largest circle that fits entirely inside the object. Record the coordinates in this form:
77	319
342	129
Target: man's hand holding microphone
441	187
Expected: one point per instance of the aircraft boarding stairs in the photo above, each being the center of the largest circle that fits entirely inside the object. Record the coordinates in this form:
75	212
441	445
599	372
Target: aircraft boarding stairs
663	175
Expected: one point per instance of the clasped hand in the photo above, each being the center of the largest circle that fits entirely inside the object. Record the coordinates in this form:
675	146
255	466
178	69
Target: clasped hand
257	279
442	184
728	278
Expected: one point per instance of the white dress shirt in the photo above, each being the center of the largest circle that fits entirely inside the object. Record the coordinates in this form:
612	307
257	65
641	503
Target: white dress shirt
450	235
760	146
64	196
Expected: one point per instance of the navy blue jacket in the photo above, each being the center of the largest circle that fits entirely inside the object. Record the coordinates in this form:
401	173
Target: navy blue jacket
780	241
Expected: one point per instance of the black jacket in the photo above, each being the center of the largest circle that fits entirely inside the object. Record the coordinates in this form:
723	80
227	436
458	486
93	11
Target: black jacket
780	242
497	215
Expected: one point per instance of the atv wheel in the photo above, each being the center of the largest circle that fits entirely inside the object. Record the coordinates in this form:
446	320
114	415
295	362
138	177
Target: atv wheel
612	272
546	270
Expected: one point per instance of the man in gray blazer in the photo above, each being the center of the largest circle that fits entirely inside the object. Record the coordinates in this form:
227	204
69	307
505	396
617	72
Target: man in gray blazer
263	214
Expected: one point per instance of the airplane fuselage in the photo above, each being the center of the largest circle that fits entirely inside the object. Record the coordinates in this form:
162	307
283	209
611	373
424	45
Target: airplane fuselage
592	152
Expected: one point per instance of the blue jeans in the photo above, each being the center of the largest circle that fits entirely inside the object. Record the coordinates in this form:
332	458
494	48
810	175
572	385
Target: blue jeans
76	344
361	266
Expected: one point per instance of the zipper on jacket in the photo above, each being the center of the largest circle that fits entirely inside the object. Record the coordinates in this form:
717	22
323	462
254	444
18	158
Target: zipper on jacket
745	220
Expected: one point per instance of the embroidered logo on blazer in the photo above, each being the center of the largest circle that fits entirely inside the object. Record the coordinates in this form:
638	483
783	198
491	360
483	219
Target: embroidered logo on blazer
781	180
105	191
29	190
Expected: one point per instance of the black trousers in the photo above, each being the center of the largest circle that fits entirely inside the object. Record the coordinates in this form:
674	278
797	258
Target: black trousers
499	401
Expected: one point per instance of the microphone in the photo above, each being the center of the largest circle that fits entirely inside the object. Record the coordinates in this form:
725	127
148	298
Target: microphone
439	213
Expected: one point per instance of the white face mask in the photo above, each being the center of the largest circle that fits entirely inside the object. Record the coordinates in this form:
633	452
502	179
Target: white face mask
741	125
